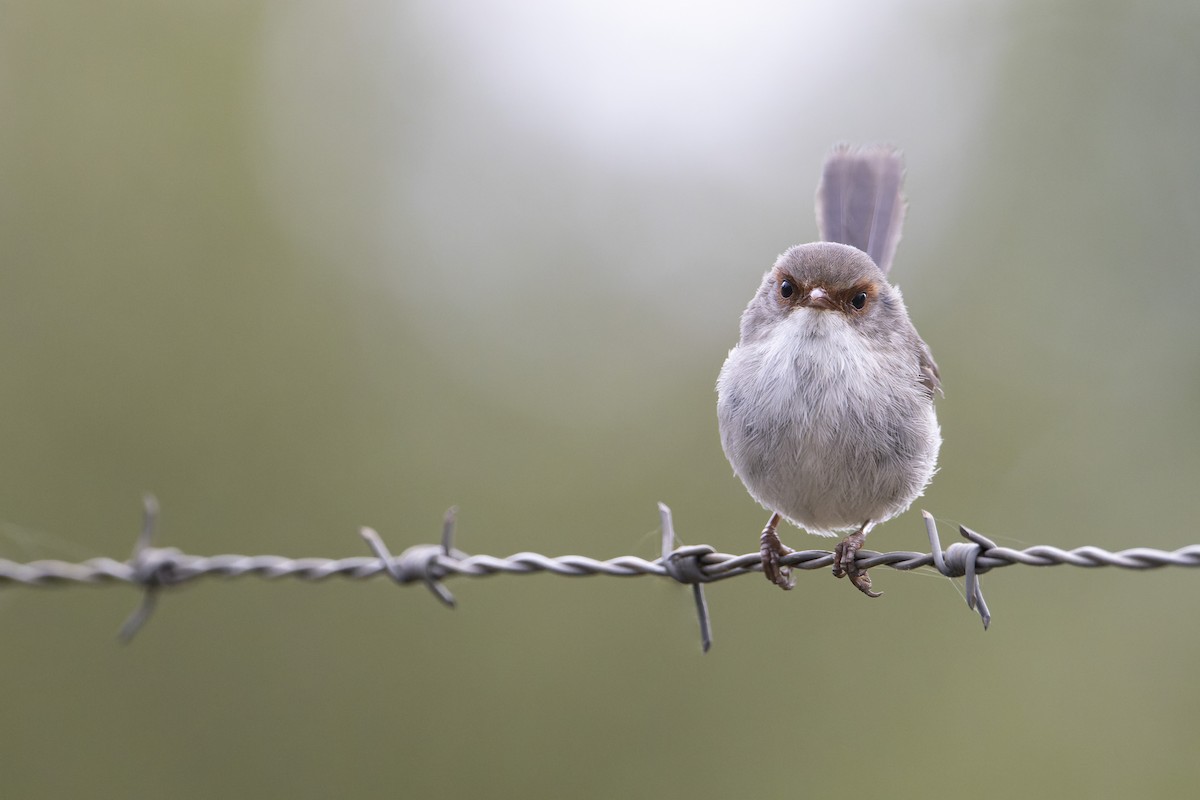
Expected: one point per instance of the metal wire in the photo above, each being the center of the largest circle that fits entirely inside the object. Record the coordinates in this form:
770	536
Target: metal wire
154	568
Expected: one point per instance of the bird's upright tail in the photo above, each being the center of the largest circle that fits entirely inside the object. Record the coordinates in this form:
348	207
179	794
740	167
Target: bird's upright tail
860	200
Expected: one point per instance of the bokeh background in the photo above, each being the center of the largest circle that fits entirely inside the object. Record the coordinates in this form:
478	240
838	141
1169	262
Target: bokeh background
297	267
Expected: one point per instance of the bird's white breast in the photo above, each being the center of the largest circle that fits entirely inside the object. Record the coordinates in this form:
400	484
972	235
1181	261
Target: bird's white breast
823	427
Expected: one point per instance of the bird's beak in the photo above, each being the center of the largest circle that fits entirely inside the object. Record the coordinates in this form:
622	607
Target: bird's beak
819	298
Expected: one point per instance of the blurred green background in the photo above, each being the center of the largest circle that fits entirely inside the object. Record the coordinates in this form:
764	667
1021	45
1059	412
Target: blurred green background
297	267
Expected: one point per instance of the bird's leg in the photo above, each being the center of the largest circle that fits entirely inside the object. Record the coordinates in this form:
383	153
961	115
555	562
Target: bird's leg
772	550
845	561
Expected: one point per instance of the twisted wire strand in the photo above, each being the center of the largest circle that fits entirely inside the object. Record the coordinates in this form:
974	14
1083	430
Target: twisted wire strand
153	568
179	568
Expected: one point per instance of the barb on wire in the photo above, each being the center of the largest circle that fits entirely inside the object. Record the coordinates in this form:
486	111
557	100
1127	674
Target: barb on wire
153	569
683	565
417	562
146	568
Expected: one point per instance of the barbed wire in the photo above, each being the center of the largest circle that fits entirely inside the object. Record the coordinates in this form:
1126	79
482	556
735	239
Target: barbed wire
155	568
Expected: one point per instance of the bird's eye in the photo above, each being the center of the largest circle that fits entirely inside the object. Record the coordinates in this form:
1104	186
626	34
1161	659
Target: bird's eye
859	300
786	289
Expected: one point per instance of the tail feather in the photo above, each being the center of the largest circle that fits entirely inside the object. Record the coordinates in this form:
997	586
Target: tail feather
860	200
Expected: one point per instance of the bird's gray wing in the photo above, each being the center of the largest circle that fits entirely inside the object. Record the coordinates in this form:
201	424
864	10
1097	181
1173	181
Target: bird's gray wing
931	379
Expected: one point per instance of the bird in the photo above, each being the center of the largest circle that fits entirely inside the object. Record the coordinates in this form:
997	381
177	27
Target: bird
825	405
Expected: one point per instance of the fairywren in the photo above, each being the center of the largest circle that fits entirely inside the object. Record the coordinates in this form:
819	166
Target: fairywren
825	406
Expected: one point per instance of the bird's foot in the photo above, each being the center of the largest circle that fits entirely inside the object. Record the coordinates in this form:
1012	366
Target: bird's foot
845	563
772	550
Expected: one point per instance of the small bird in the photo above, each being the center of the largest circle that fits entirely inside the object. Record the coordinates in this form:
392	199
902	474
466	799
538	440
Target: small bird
825	406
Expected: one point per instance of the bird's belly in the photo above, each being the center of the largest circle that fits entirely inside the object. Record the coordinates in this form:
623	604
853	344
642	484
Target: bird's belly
829	437
826	484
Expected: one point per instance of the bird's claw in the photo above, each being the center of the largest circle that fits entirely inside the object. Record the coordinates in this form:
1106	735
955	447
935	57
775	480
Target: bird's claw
772	550
845	563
